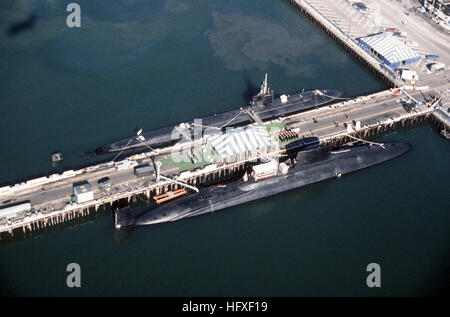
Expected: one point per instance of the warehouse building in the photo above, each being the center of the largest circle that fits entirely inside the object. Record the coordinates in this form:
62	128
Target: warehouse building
242	143
389	49
83	192
13	210
144	170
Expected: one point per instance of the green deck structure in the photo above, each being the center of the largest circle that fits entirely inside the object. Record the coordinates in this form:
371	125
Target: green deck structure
275	127
181	160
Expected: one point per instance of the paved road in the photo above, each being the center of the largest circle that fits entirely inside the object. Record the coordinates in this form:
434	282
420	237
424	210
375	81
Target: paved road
368	112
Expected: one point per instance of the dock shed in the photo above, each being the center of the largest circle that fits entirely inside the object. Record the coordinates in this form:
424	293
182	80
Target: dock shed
144	170
83	192
436	67
390	50
410	75
12	210
265	170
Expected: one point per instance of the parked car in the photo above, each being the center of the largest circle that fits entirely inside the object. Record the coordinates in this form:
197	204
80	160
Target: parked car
412	44
400	34
392	30
360	6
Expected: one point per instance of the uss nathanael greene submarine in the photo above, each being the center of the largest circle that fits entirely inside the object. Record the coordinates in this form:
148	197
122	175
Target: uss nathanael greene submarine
307	164
264	105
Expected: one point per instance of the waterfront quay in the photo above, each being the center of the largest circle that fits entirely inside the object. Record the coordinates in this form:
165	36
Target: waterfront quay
406	102
389	39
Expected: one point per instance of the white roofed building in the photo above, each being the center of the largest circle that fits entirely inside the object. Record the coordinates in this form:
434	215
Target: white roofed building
83	192
241	143
389	49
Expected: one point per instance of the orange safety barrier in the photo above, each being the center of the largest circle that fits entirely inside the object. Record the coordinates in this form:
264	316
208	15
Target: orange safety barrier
169	195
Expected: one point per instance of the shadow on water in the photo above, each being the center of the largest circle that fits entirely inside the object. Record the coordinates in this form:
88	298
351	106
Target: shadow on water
22	26
19	235
87	159
250	90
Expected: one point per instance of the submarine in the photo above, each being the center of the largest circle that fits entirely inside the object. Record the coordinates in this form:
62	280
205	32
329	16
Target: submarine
263	105
307	163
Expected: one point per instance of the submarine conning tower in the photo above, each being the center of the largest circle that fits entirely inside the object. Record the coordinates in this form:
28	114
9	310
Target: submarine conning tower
308	150
265	96
313	153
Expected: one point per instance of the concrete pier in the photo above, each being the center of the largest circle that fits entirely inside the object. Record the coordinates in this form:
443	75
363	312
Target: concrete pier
375	114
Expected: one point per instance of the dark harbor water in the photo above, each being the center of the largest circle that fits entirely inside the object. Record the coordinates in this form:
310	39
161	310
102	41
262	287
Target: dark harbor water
146	64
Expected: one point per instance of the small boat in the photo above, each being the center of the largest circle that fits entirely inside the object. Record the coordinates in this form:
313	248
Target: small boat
57	157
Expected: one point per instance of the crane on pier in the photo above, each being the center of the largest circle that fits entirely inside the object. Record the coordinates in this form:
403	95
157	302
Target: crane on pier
157	166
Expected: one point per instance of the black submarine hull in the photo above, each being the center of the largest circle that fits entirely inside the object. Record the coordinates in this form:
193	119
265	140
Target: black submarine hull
168	136
211	199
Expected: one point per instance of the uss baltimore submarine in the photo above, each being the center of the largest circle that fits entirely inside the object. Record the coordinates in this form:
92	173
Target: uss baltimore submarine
308	162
